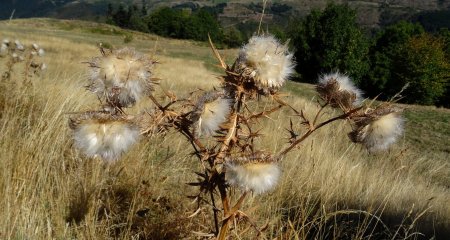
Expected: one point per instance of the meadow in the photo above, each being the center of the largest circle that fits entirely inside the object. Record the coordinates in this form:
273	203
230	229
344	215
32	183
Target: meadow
330	188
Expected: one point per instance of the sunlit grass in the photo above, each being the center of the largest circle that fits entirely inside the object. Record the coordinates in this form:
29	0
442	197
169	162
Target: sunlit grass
51	191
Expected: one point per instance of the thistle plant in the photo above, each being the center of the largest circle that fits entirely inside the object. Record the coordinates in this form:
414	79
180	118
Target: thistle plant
220	124
119	78
16	53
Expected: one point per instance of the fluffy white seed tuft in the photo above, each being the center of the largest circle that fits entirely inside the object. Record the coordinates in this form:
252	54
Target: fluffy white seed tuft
345	84
258	177
213	115
3	49
381	133
105	139
269	61
41	52
125	72
19	45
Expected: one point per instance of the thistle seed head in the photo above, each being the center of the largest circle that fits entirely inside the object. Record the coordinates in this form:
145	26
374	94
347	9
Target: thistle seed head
258	173
99	134
122	76
211	110
41	52
378	128
339	90
267	62
19	45
3	50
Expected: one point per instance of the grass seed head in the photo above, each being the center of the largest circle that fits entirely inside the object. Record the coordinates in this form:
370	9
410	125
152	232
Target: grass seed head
212	109
101	135
378	129
122	74
339	90
266	61
256	173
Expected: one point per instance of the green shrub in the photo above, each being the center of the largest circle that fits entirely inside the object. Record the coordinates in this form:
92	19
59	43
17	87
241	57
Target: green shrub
329	40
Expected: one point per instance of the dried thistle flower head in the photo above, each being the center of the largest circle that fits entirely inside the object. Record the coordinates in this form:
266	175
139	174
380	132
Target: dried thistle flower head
19	45
211	110
339	90
266	61
258	173
3	50
41	52
123	76
378	129
16	57
43	66
102	135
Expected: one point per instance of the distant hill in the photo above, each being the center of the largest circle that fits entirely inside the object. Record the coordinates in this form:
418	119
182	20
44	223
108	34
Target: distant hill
371	13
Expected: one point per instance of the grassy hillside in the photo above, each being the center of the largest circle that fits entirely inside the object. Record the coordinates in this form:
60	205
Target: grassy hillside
330	188
371	13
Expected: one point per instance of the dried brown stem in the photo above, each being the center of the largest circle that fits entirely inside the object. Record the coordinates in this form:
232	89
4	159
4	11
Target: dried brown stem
265	113
281	154
229	216
216	53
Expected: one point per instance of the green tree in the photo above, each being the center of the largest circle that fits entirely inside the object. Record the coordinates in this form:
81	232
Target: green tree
200	24
136	20
233	37
121	17
422	63
330	40
444	33
167	22
386	47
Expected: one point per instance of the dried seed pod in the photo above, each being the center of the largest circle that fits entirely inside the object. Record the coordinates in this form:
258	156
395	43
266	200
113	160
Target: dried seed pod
377	129
211	110
99	134
41	52
122	76
267	62
3	50
19	45
258	173
339	90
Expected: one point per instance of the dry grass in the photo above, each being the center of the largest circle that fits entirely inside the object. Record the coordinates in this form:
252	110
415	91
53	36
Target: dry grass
330	189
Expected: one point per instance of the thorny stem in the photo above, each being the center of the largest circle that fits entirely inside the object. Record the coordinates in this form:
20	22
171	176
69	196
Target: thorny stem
156	102
229	217
314	128
264	113
196	144
318	113
216	220
226	210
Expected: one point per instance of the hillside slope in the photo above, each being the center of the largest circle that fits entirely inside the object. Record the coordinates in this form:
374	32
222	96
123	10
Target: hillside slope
329	189
371	13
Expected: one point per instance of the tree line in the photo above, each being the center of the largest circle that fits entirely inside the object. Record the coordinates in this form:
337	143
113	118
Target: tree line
175	23
381	62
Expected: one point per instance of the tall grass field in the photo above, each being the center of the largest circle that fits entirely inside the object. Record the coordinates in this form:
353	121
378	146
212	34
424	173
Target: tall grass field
330	188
